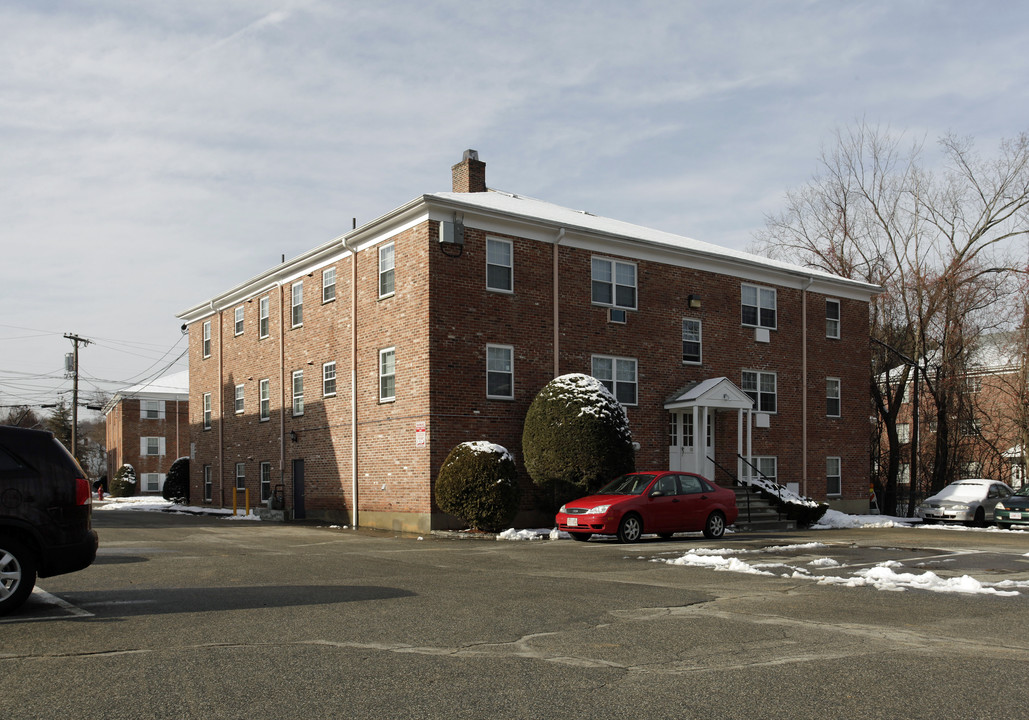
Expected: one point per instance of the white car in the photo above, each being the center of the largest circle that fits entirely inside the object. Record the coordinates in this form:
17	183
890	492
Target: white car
969	501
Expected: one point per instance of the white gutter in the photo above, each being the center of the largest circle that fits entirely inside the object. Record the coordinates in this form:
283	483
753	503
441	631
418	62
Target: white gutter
353	382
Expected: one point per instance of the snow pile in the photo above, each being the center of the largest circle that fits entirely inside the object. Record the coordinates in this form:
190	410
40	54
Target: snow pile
145	503
780	491
528	534
834	519
484	447
593	398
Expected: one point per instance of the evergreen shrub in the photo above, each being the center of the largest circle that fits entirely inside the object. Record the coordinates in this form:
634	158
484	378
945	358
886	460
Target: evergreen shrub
124	483
478	483
176	483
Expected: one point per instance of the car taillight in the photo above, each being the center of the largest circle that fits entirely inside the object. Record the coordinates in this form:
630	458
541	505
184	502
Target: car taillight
83	493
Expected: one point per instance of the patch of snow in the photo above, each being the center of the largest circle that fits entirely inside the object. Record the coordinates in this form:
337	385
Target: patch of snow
483	447
836	519
537	534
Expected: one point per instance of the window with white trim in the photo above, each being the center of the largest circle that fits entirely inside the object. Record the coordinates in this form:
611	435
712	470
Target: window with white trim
298	392
758	306
832	319
263	313
833	476
151	410
297	303
240	393
266	481
207	411
386	270
766	466
207	339
500	371
387	375
329	379
237	327
832	397
152	482
690	340
208	485
761	387
618	375
266	399
151	446
903	433
241	476
499	265
613	283
328	285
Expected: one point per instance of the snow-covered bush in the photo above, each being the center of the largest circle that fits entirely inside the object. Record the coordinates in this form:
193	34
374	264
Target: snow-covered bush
478	483
576	437
176	483
124	482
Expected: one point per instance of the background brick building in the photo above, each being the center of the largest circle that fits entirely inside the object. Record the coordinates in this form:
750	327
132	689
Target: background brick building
347	374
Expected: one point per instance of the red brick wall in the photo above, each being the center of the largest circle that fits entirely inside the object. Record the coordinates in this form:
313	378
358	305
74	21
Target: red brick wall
124	428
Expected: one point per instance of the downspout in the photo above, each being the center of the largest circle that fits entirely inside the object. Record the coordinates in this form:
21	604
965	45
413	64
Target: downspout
221	411
282	388
557	332
353	382
803	385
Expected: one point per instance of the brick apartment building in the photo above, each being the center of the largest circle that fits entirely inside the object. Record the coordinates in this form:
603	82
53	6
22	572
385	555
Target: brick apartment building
148	428
347	374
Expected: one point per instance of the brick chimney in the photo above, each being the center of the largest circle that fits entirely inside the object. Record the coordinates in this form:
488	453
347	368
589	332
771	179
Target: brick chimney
469	174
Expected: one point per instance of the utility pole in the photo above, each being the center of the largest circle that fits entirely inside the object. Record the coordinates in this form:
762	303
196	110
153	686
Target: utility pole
75	393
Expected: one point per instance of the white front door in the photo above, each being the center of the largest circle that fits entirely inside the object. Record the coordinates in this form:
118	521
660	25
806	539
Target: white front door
682	437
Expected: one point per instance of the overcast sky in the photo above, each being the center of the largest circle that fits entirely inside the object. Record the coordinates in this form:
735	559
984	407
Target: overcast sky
153	154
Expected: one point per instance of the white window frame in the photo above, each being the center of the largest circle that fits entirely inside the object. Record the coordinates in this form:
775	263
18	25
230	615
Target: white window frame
387	375
760	391
832	324
833	471
609	369
240	398
266	480
767	465
833	394
498	264
237	325
296	304
152	443
329	376
387	270
241	476
207	411
264	314
759	303
152	410
151	482
903	433
208	484
328	285
699	341
206	347
498	353
613	282
298	397
265	396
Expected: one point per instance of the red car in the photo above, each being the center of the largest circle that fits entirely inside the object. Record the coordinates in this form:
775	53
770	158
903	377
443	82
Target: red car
661	502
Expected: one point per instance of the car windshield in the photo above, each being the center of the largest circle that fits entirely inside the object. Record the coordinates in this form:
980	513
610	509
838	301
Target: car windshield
626	485
963	491
1023	491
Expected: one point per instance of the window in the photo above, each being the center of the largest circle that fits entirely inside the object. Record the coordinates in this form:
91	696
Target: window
151	446
386	268
833	478
832	319
297	304
499	265
760	386
240	391
152	482
690	341
263	315
673	429
387	375
832	397
618	375
904	474
207	411
207	483
266	399
298	392
241	476
238	326
329	379
328	285
151	410
500	371
266	481
764	466
758	306
207	339
903	432
613	283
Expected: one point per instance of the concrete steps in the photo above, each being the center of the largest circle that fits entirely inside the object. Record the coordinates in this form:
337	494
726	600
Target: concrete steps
758	514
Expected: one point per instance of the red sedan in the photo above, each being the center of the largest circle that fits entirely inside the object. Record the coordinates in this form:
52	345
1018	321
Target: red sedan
653	502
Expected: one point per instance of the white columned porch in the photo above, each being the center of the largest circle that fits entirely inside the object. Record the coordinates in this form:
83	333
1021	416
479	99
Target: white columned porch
711	396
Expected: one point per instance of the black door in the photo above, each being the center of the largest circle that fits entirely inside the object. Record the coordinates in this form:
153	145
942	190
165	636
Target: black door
299	512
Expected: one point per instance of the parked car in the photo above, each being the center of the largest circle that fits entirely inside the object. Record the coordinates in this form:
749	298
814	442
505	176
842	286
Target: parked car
1013	510
663	502
969	501
46	521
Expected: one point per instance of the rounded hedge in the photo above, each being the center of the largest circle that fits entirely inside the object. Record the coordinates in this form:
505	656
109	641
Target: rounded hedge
124	483
176	483
478	483
576	437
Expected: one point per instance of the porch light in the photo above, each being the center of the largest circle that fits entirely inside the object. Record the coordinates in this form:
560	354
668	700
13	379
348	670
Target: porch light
293	435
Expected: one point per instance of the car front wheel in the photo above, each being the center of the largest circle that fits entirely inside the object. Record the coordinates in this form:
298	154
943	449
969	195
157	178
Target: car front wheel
630	529
715	525
17	574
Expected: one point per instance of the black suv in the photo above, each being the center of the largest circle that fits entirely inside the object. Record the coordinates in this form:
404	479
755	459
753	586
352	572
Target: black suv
46	506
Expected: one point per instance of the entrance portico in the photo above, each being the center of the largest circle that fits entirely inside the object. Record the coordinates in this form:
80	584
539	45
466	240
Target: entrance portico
691	425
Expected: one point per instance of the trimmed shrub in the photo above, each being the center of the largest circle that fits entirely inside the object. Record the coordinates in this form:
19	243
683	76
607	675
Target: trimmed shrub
124	483
176	483
576	437
478	483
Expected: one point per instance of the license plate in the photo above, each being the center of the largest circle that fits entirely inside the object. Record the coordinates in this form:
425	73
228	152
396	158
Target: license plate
573	522
1014	516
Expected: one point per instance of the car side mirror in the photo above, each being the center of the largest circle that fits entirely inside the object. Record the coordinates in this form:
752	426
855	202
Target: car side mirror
657	493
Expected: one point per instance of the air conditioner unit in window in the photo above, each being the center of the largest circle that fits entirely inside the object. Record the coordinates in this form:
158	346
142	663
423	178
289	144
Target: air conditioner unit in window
616	315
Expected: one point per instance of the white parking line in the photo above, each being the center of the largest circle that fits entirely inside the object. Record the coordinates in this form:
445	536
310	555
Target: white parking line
47	599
